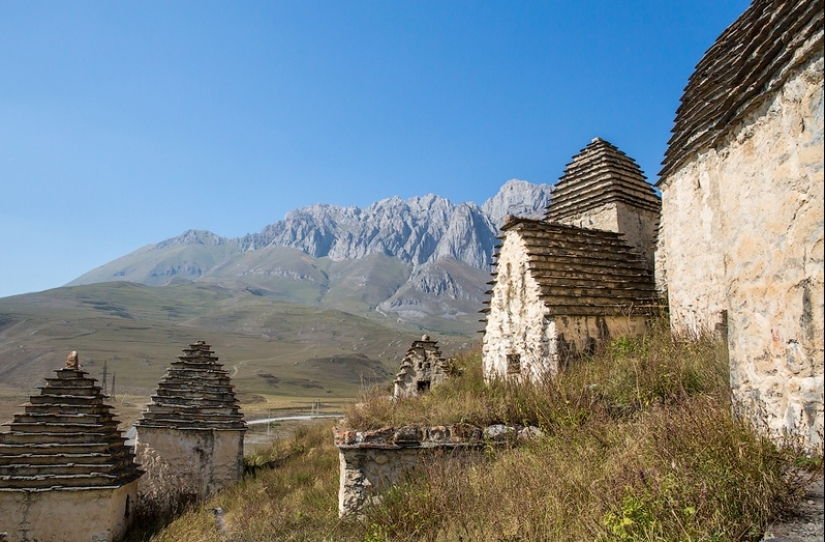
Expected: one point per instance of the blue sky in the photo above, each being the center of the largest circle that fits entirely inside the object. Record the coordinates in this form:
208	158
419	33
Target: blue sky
126	123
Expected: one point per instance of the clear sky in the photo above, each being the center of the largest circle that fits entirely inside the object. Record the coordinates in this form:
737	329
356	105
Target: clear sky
126	123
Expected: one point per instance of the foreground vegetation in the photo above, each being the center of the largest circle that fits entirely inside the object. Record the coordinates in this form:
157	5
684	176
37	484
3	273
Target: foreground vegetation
638	444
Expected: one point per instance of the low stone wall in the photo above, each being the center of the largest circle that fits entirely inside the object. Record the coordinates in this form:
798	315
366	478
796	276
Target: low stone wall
373	461
67	515
187	463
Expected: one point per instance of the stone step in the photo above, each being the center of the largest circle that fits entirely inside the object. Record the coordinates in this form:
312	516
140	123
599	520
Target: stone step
30	418
59	438
43	459
62	428
52	398
13	450
75	481
182	423
56	469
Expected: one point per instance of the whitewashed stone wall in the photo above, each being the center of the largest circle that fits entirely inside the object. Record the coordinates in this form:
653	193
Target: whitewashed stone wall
67	515
190	463
518	323
742	232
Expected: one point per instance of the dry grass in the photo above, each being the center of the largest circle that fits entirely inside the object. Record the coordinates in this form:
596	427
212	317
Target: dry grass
639	445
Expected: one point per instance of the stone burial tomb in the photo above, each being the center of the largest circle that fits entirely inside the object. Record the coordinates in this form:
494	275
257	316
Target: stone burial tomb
66	474
582	275
190	438
741	242
421	369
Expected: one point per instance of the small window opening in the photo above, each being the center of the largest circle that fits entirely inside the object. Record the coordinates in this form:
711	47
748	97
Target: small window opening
128	512
423	385
513	364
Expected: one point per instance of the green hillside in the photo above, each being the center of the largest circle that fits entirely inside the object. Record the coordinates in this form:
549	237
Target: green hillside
279	354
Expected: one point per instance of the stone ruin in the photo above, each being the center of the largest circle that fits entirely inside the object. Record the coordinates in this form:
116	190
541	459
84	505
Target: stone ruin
65	471
741	245
373	461
190	438
564	284
421	369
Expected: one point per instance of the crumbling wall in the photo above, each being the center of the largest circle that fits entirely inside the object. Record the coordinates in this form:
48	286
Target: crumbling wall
74	514
373	461
742	239
187	464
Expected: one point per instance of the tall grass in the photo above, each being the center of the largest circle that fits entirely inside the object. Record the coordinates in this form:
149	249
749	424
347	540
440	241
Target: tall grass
639	445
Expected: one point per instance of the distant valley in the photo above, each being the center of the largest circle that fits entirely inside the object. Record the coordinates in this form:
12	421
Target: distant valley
314	307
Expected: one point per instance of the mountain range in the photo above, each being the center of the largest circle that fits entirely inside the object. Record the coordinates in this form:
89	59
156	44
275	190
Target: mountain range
423	261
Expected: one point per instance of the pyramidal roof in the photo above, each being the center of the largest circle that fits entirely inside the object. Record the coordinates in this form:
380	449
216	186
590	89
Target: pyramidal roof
754	55
600	174
585	272
195	393
67	437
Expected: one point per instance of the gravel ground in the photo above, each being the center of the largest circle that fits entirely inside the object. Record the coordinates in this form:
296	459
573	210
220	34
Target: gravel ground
808	525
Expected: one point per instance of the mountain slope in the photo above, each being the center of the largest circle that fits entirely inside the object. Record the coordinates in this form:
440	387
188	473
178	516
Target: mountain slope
392	255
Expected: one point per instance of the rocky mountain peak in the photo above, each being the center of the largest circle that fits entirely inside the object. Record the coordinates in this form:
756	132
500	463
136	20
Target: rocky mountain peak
193	237
518	198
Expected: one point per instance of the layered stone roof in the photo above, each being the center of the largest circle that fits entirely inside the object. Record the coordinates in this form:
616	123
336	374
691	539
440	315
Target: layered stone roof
598	175
752	57
195	393
585	272
67	438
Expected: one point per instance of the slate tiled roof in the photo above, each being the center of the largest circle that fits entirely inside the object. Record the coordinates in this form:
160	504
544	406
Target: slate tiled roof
600	174
584	272
195	393
66	438
753	56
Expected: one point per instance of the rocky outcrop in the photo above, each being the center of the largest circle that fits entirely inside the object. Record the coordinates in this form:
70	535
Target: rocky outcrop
442	249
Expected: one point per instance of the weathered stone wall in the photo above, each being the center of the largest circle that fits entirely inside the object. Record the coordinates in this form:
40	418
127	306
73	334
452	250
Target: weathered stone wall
518	322
742	232
520	326
67	515
581	335
639	226
373	461
188	463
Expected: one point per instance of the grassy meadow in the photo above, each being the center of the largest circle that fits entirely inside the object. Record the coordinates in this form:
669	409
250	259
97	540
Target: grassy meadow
638	444
280	355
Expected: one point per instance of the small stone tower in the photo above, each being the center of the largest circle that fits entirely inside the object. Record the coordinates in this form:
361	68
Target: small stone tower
65	472
604	189
190	438
422	368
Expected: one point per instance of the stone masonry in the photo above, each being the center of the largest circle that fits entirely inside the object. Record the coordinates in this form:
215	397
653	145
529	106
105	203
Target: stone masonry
421	369
190	438
560	289
65	473
741	243
604	189
374	461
